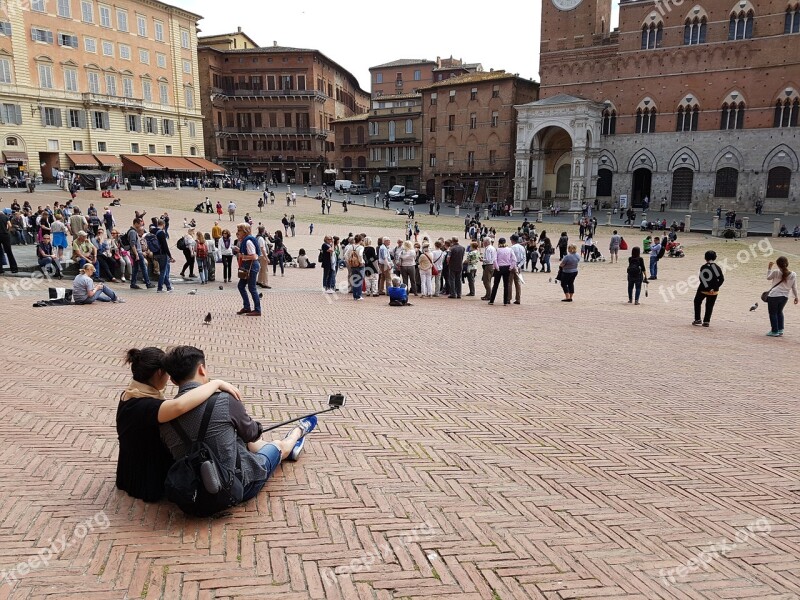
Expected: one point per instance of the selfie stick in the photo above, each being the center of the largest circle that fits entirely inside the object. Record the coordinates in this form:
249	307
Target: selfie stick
319	412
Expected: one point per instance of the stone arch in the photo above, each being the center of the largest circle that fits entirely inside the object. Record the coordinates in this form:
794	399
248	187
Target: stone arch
534	142
643	158
607	160
684	158
729	156
781	156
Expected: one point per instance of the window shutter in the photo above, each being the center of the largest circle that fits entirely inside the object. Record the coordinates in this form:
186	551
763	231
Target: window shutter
82	119
59	120
42	114
49	37
138	120
3	114
106	124
127	123
18	114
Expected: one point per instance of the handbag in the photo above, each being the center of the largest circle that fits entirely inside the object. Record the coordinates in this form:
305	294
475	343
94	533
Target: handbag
765	295
244	272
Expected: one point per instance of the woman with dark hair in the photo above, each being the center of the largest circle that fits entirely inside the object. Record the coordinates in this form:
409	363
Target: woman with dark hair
143	459
711	279
636	273
784	282
226	250
278	252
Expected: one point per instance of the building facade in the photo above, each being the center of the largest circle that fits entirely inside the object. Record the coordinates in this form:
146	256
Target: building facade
269	110
469	135
83	82
408	75
693	103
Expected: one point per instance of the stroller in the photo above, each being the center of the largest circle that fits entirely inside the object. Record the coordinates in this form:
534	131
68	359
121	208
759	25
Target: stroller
595	255
675	250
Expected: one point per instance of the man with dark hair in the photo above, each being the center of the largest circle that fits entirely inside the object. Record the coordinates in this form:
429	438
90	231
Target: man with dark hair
137	254
455	264
233	436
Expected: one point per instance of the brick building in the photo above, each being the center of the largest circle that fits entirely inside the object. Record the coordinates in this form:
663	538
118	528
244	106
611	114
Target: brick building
84	82
469	135
269	110
696	103
352	148
408	75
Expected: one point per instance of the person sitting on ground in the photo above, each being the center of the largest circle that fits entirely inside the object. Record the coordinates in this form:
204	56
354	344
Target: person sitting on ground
143	460
784	232
236	437
302	260
86	291
796	231
398	293
646	243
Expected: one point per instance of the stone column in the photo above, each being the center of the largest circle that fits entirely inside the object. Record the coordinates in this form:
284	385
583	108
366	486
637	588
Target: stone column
715	226
687	220
745	226
776	227
177	183
608	218
540	216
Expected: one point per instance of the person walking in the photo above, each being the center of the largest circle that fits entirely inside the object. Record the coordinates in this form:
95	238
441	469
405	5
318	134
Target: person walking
613	248
520	254
278	253
563	242
569	271
711	279
163	258
504	262
186	245
247	254
489	256
636	274
546	251
785	281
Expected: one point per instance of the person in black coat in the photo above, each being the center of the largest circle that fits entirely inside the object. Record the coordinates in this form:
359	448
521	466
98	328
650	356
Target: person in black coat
637	274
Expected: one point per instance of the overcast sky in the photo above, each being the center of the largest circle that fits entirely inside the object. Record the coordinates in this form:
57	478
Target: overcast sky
500	34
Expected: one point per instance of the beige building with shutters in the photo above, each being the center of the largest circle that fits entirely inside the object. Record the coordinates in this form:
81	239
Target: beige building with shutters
84	83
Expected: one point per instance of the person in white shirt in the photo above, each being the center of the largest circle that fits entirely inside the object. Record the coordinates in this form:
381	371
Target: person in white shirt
521	256
354	258
232	210
783	282
489	255
385	266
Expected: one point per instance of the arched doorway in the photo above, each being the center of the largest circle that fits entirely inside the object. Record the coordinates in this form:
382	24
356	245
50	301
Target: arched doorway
430	187
605	178
562	181
682	185
550	168
642	180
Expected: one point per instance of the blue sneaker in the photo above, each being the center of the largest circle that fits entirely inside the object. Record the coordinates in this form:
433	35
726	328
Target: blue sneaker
307	425
772	334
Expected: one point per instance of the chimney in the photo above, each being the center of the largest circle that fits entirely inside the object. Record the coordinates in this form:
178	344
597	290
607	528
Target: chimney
238	30
275	43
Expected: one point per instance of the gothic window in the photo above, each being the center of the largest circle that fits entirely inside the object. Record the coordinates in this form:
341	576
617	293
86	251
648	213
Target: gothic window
786	112
727	182
687	117
741	25
792	23
694	31
732	116
609	124
652	35
646	120
778	182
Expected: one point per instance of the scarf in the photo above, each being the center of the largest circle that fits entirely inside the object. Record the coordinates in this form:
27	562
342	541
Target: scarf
137	389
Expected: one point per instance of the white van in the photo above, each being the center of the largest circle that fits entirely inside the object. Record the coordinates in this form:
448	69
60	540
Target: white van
342	185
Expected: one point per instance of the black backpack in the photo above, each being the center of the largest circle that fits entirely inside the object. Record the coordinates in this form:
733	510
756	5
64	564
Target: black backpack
152	243
635	270
197	482
661	251
126	239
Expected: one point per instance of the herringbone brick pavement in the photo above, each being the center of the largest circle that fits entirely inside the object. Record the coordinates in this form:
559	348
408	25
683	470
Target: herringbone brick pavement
547	451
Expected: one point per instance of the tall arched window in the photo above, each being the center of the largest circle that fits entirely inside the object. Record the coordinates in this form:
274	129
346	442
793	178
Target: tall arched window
741	25
727	183
787	110
778	182
652	35
360	134
694	31
792	23
609	124
646	120
732	114
391	131
687	116
348	162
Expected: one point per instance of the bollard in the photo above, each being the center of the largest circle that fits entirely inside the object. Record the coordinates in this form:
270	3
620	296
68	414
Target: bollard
715	226
575	218
776	227
486	213
458	210
745	226
154	184
687	220
540	216
608	218
177	183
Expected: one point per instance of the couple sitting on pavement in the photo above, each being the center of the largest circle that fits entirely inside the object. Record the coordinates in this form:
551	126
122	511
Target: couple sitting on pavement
148	443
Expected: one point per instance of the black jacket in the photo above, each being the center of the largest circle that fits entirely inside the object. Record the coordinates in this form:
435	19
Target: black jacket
711	278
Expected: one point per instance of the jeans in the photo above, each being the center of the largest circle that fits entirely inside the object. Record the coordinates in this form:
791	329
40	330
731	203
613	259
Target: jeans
249	284
546	262
471	281
357	281
327	272
202	270
269	457
278	259
568	282
775	306
634	283
105	294
139	264
503	273
227	261
653	267
46	262
163	271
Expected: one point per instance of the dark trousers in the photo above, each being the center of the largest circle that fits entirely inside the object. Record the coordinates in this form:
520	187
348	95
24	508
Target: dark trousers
775	308
189	264
227	261
5	248
503	273
327	272
634	283
139	264
471	281
568	282
454	282
698	302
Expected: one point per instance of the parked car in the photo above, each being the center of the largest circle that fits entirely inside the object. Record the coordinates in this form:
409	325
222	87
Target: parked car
418	199
398	192
359	188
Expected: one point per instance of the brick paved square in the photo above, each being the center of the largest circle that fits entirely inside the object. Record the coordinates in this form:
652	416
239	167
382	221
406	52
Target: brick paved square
547	450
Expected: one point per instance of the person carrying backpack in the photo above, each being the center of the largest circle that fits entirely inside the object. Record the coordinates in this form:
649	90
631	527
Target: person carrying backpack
636	274
711	279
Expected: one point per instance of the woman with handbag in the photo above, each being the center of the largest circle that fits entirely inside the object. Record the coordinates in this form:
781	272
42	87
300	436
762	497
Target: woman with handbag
438	256
201	253
426	271
785	282
247	254
186	244
226	250
278	253
121	256
711	279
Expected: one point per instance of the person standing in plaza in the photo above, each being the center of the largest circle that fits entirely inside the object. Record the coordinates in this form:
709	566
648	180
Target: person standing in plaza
232	210
226	250
545	251
216	233
569	271
489	256
405	263
455	264
613	249
201	256
219	209
636	274
655	255
326	257
711	279
520	254
385	266
426	271
247	255
278	253
784	282
5	245
292	224
186	245
163	258
263	259
354	257
473	260
504	262
563	242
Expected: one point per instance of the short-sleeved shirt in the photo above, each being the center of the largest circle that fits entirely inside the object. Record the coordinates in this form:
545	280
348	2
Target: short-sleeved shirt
143	459
571	263
81	286
84	247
